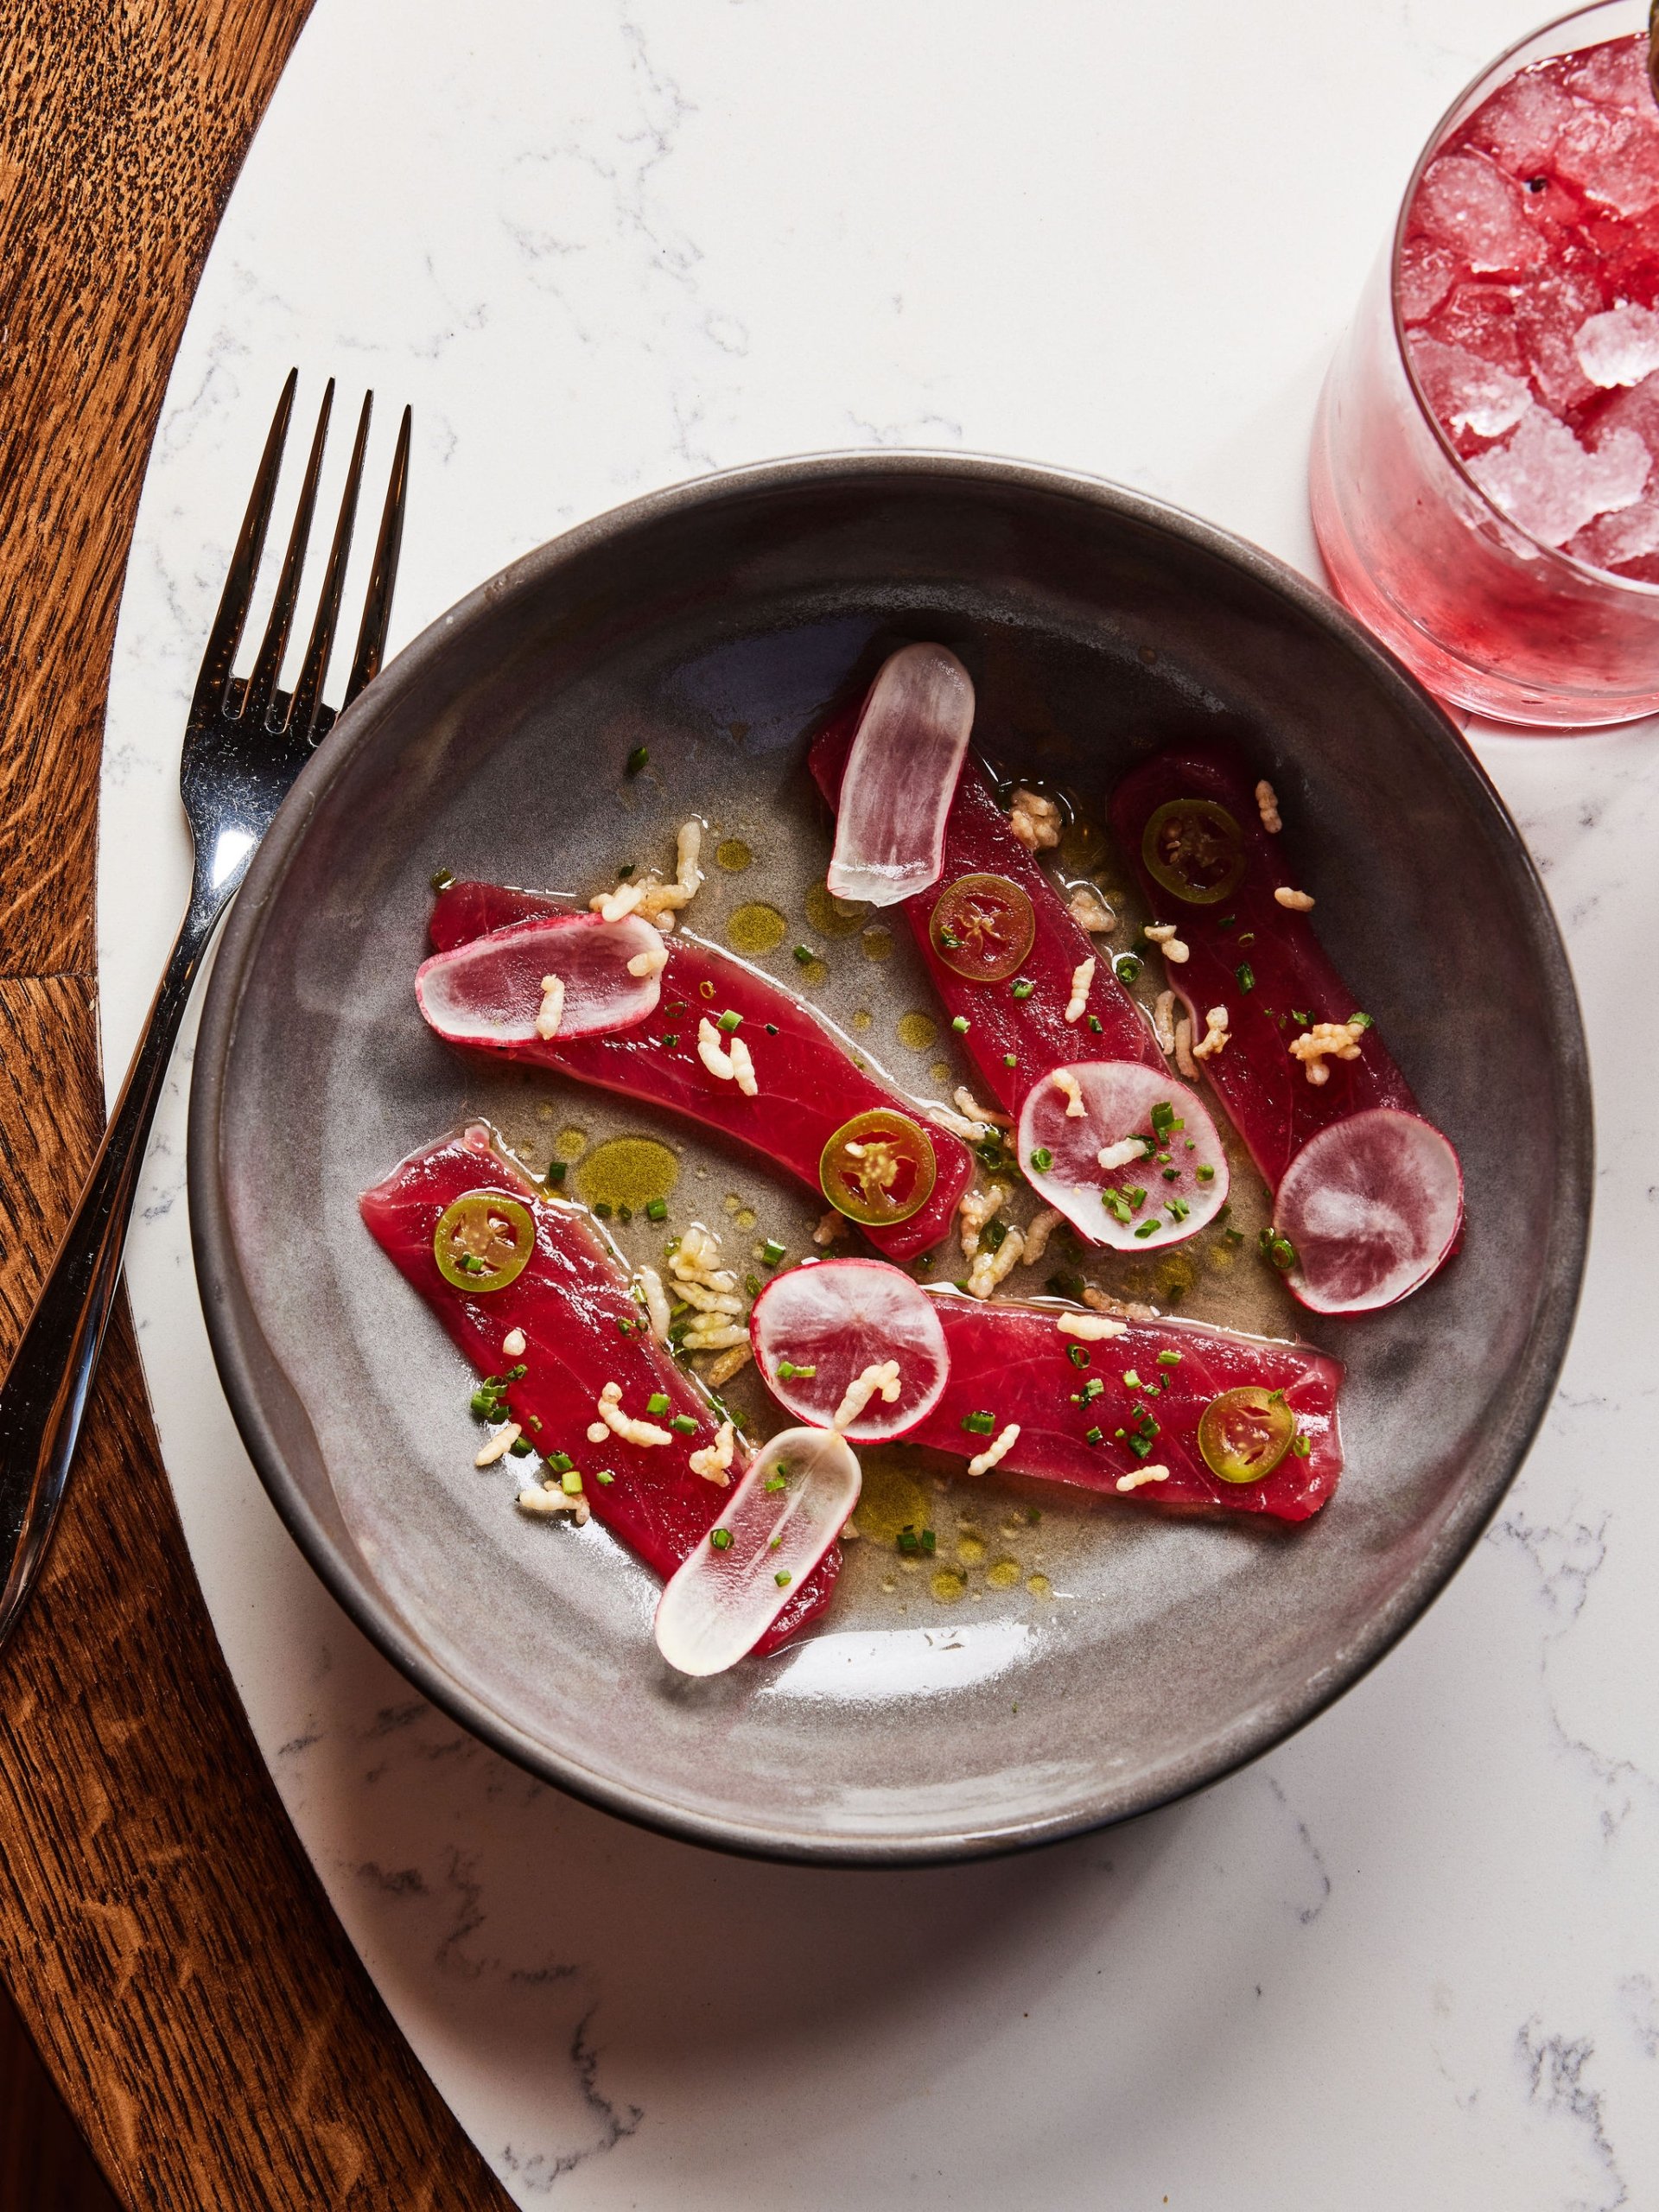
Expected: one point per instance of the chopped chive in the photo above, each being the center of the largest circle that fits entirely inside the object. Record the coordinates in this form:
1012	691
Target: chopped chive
556	1172
656	1210
1204	1174
1024	987
658	1402
1172	1174
1169	1359
625	1328
1094	1436
1126	968
625	1213
772	1029
771	1252
776	1481
521	1447
444	878
960	1024
787	1371
752	1284
1140	1445
1095	1024
1232	1236
684	1423
930	1541
1301	1445
993	1235
671	1038
1246	976
603	1210
1228	921
1042	1160
720	1539
951	944
485	1404
636	760
1248	938
806	955
1009	1060
1150	1228
1065	1286
1177	1209
979	1424
624	871
561	1462
604	1475
729	1021
571	1483
783	1578
1277	1250
1359	1021
1078	1356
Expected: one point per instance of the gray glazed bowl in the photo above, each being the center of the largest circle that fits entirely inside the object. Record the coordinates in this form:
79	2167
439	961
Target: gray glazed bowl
713	621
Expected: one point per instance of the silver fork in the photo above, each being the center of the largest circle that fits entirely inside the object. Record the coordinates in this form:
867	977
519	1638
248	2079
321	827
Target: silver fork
243	744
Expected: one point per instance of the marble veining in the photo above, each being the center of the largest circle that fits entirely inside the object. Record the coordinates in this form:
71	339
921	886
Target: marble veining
1412	1958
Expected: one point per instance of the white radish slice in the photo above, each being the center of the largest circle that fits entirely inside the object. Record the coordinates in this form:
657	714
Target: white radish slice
901	777
490	991
840	1318
1373	1206
781	1519
1122	1099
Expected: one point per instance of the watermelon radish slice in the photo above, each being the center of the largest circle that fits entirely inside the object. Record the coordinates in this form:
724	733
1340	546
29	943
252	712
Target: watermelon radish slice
902	771
1173	1188
491	991
807	1088
1372	1206
1262	961
817	1328
582	1330
781	1521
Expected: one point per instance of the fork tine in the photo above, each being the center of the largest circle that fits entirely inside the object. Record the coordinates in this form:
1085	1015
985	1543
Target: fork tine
377	610
262	684
302	713
226	633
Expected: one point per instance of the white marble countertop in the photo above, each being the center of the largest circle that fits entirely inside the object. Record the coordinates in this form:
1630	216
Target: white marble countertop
1412	1958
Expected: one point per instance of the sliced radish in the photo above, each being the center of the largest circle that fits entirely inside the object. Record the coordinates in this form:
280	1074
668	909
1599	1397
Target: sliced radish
901	777
1372	1206
783	1517
1076	1113
829	1323
491	991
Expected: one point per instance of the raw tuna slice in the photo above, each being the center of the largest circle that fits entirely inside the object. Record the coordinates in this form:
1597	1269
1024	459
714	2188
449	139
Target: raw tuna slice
816	1329
807	1088
1193	809
1120	1413
1032	965
582	1331
913	732
495	992
782	1520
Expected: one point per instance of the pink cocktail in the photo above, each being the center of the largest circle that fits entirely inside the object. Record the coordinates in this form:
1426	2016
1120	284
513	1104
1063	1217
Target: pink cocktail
1485	467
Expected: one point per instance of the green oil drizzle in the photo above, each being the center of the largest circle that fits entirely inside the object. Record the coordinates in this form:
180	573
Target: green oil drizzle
755	928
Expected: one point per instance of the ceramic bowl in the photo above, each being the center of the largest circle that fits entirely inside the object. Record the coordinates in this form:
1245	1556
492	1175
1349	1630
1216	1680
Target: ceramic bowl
1116	1659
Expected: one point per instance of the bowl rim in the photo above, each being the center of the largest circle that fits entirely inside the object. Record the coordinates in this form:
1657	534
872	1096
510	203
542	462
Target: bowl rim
238	1352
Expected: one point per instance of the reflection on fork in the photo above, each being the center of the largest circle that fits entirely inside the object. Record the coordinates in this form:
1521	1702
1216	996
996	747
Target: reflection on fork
245	743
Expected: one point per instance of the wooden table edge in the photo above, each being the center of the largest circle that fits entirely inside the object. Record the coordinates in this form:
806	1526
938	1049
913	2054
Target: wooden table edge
166	1941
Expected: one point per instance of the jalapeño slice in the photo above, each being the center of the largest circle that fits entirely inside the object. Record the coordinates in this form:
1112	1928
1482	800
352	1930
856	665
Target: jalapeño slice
983	927
1244	1433
879	1167
483	1241
1194	848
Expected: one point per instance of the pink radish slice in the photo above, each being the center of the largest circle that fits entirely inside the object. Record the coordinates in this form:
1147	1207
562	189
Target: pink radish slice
1122	1099
901	777
838	1318
782	1520
489	992
1373	1206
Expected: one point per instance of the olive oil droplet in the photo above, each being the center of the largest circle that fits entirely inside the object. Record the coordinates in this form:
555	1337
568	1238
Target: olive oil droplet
756	928
627	1172
918	1031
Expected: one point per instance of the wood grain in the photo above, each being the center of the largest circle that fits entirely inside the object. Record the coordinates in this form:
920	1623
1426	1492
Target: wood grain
165	1940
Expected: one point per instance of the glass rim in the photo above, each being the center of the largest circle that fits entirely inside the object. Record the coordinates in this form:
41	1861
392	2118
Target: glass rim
1489	75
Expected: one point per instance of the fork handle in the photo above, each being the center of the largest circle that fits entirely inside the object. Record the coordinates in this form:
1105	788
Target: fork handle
43	1397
